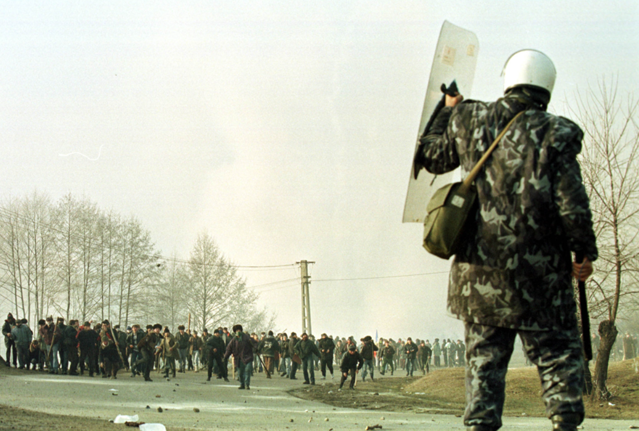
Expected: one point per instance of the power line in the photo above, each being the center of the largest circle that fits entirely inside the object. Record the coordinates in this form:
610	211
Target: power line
382	277
342	279
273	283
244	267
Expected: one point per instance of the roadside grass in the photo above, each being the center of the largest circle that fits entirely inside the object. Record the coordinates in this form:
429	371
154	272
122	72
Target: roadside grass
445	387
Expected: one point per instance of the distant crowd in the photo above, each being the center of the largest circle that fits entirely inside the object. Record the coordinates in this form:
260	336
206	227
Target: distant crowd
102	350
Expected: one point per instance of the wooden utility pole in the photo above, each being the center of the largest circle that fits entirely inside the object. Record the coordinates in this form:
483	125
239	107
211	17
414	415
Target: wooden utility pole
306	300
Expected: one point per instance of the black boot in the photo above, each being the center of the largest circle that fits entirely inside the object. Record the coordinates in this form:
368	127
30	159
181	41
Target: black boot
566	421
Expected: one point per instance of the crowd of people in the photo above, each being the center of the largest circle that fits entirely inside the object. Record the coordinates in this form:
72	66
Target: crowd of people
98	349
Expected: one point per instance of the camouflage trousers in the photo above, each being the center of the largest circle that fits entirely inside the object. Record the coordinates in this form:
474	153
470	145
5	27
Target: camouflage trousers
557	355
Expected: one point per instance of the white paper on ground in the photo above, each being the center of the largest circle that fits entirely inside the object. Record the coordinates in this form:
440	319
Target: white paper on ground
152	427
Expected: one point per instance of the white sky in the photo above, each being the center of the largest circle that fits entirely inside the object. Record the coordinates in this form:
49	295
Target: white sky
284	128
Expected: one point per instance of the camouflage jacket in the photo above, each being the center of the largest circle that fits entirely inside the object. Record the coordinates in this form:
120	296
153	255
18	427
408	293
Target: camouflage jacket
514	270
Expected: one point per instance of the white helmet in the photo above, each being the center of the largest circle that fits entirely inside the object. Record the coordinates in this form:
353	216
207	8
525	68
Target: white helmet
529	67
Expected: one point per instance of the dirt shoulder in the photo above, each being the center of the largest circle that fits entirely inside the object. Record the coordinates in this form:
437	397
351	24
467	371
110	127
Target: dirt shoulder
387	394
442	392
15	419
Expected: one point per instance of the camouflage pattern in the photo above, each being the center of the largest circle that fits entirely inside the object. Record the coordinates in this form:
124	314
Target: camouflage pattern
557	355
514	270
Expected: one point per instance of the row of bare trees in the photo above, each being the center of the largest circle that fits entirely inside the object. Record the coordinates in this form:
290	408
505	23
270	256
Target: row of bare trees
68	258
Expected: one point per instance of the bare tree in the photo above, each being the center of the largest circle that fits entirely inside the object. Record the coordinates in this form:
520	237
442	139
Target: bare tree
26	254
139	272
107	250
611	175
169	295
217	294
36	216
10	254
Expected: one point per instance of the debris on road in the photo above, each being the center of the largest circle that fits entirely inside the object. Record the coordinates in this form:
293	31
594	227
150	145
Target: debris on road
373	427
120	419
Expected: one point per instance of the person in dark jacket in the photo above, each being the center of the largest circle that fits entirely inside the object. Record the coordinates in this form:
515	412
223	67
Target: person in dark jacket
285	362
132	341
182	339
512	275
88	344
147	346
35	356
216	349
269	348
424	352
388	355
295	359
410	350
10	343
351	362
110	354
58	358
368	353
121	337
305	349
46	335
22	335
326	347
241	347
70	337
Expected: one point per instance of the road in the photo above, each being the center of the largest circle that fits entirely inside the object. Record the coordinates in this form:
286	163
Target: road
267	406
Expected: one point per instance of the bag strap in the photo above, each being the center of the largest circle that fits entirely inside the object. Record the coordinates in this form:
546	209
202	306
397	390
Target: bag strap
475	171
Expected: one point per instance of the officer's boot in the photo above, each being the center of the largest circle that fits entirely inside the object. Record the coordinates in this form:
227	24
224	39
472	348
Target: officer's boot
480	428
173	372
566	421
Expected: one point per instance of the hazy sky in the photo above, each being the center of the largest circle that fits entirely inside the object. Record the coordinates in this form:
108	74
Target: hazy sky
285	129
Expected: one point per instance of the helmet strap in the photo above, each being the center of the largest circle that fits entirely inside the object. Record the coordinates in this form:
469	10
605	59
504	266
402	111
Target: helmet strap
530	95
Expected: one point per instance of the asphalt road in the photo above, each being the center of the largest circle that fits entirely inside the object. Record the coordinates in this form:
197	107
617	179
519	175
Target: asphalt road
267	406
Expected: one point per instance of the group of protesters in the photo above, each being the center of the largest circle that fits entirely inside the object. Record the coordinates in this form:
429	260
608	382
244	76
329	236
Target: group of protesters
99	349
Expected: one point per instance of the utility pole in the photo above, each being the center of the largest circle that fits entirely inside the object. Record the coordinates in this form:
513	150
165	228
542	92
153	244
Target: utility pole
306	300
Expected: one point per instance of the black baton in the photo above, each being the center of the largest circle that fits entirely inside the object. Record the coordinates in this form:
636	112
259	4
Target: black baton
583	309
